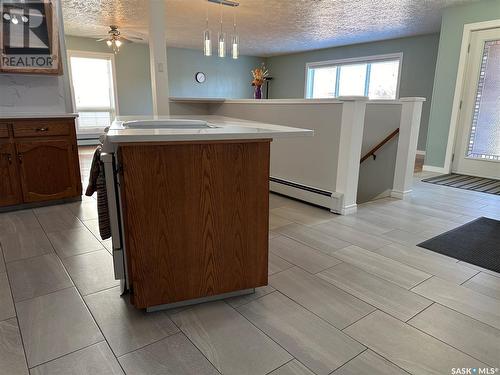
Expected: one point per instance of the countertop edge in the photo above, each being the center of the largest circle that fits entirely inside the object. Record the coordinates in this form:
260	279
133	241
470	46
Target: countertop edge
154	138
15	116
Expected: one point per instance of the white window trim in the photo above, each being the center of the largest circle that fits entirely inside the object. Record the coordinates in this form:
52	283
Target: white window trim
90	54
354	60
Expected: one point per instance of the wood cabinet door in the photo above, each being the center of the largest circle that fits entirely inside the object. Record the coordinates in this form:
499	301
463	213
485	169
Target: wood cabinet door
10	190
47	169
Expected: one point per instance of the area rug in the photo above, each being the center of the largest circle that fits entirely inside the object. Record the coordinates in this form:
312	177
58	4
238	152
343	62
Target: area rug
484	185
477	242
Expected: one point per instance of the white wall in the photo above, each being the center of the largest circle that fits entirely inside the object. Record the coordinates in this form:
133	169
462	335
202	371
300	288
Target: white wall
36	93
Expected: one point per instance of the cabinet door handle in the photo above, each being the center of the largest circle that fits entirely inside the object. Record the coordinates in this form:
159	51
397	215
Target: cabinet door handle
8	156
42	129
20	157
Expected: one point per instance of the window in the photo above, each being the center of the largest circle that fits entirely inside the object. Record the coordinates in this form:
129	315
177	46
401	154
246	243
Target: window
93	87
376	77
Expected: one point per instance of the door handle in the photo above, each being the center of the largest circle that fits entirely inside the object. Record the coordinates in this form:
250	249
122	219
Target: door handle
42	129
20	157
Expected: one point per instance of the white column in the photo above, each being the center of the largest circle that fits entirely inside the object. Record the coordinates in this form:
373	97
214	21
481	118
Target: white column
158	57
409	127
351	139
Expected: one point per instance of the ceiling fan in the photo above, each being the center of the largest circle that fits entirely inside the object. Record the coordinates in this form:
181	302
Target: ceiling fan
114	39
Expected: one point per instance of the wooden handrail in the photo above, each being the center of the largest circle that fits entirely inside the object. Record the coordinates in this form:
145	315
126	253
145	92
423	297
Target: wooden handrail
377	147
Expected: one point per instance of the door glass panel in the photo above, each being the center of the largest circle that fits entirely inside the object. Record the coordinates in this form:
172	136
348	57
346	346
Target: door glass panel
484	141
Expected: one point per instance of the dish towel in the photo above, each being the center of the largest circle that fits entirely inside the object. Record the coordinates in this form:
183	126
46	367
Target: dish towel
97	182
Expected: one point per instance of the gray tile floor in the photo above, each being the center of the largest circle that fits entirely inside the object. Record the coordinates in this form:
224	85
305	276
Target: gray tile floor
347	295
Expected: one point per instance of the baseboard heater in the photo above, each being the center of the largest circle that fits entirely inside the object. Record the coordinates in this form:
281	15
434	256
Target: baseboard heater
331	200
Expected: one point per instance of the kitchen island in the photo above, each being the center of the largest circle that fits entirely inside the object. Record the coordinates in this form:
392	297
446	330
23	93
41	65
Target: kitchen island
189	205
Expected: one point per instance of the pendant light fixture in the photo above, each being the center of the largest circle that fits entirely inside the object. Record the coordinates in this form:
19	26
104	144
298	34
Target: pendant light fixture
235	40
207	40
221	36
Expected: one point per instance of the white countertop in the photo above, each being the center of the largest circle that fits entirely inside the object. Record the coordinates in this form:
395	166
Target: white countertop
338	100
225	128
258	101
11	116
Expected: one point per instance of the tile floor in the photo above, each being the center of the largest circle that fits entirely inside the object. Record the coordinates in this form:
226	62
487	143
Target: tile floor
347	295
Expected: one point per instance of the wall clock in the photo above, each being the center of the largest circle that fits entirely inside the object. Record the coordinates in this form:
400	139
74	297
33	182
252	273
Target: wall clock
200	77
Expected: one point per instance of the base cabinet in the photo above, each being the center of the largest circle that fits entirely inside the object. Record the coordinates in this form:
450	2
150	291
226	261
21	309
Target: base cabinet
47	170
196	220
10	189
38	161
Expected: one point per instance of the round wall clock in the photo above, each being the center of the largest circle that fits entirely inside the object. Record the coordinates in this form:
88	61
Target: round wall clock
200	77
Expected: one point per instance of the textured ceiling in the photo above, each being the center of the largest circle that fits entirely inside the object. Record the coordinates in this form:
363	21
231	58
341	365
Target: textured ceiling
266	27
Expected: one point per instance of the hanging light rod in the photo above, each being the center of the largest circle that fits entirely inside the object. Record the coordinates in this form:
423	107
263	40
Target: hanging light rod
228	3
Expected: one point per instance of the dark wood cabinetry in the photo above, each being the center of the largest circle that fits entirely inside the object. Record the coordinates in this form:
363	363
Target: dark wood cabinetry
47	170
10	190
38	161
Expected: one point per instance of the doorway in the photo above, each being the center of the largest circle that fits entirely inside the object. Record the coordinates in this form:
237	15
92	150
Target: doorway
477	145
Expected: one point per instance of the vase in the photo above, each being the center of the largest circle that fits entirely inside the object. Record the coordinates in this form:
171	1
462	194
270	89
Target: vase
257	94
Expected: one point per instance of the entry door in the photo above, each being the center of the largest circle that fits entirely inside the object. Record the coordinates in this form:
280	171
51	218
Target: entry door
477	147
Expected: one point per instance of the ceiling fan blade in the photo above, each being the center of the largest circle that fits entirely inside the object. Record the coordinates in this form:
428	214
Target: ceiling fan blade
125	40
132	34
134	38
102	39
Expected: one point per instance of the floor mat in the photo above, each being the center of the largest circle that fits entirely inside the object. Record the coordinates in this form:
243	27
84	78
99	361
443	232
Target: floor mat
483	185
477	242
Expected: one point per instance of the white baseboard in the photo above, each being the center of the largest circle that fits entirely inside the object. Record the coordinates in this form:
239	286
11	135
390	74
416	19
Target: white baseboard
420	152
349	210
431	168
400	194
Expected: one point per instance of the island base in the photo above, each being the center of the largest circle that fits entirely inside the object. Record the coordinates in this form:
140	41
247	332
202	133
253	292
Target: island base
195	219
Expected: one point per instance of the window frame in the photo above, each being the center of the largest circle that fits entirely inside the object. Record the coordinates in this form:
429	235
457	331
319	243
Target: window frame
94	132
352	61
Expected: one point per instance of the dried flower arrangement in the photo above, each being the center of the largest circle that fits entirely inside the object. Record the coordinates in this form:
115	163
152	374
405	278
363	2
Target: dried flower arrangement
259	75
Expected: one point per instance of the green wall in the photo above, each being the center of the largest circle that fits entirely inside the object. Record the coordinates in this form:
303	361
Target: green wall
417	72
132	73
450	42
226	78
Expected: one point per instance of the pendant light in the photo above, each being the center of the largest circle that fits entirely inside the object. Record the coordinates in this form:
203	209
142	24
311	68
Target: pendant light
235	40
207	40
222	36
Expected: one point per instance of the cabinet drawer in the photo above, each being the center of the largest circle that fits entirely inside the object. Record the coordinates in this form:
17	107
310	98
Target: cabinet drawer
4	131
42	128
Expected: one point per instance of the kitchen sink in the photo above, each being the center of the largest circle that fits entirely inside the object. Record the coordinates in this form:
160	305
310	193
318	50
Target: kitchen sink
168	124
